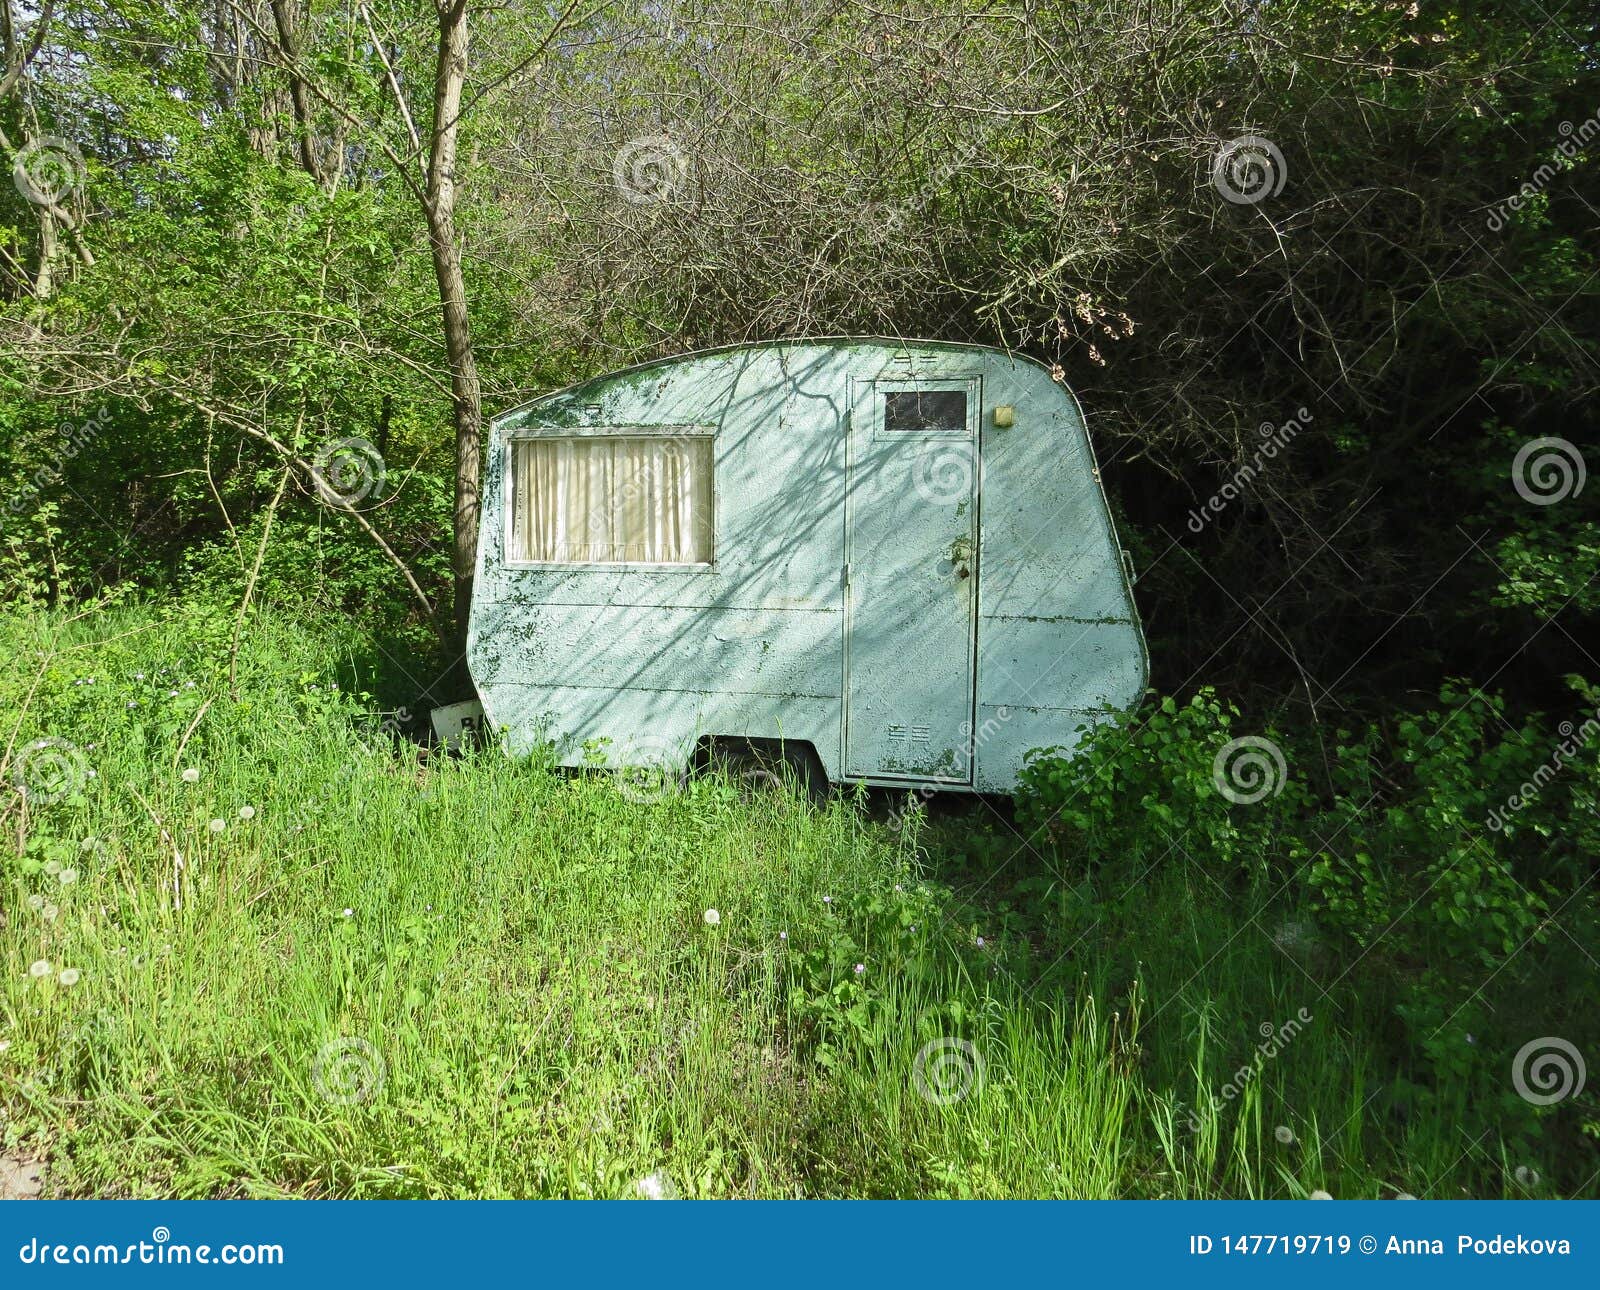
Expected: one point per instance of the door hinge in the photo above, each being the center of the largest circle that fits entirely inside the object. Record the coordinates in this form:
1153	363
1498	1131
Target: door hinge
847	573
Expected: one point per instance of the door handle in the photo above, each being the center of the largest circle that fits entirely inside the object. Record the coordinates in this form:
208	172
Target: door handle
963	572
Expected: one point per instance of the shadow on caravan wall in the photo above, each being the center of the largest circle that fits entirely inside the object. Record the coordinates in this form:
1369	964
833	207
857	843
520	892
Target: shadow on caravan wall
893	557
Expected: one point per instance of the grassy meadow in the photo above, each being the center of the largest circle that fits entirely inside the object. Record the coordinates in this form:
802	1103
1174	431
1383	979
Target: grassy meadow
251	944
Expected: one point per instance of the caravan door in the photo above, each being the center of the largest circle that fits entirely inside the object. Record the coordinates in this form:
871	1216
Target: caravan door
911	578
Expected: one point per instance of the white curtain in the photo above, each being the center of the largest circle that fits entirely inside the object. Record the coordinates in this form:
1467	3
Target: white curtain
612	499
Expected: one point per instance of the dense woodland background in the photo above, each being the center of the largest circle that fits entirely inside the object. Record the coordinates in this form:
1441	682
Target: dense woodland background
246	232
248	256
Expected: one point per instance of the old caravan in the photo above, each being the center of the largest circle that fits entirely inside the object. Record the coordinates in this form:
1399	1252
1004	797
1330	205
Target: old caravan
891	560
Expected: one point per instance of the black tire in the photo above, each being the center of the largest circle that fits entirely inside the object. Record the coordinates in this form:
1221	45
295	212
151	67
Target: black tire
761	766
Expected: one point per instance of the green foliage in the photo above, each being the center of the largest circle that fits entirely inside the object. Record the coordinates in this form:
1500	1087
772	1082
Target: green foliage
1147	792
1442	865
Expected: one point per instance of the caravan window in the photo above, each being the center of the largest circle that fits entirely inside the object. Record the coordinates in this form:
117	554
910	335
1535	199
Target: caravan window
611	499
942	412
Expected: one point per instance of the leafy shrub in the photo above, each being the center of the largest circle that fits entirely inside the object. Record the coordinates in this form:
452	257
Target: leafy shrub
1134	793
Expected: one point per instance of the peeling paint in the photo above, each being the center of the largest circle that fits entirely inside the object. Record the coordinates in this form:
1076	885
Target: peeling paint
755	645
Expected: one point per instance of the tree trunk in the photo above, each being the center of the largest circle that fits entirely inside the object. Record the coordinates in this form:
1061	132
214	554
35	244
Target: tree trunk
450	73
289	41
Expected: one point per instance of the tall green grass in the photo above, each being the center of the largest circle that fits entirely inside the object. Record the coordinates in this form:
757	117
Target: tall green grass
429	976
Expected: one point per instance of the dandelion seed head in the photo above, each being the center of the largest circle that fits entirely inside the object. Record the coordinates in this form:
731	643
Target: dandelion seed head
1284	1134
712	917
67	877
39	968
217	825
247	812
1319	1194
190	775
70	976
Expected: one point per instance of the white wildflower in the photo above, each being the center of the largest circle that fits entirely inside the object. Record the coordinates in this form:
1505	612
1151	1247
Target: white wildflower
712	917
656	1186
